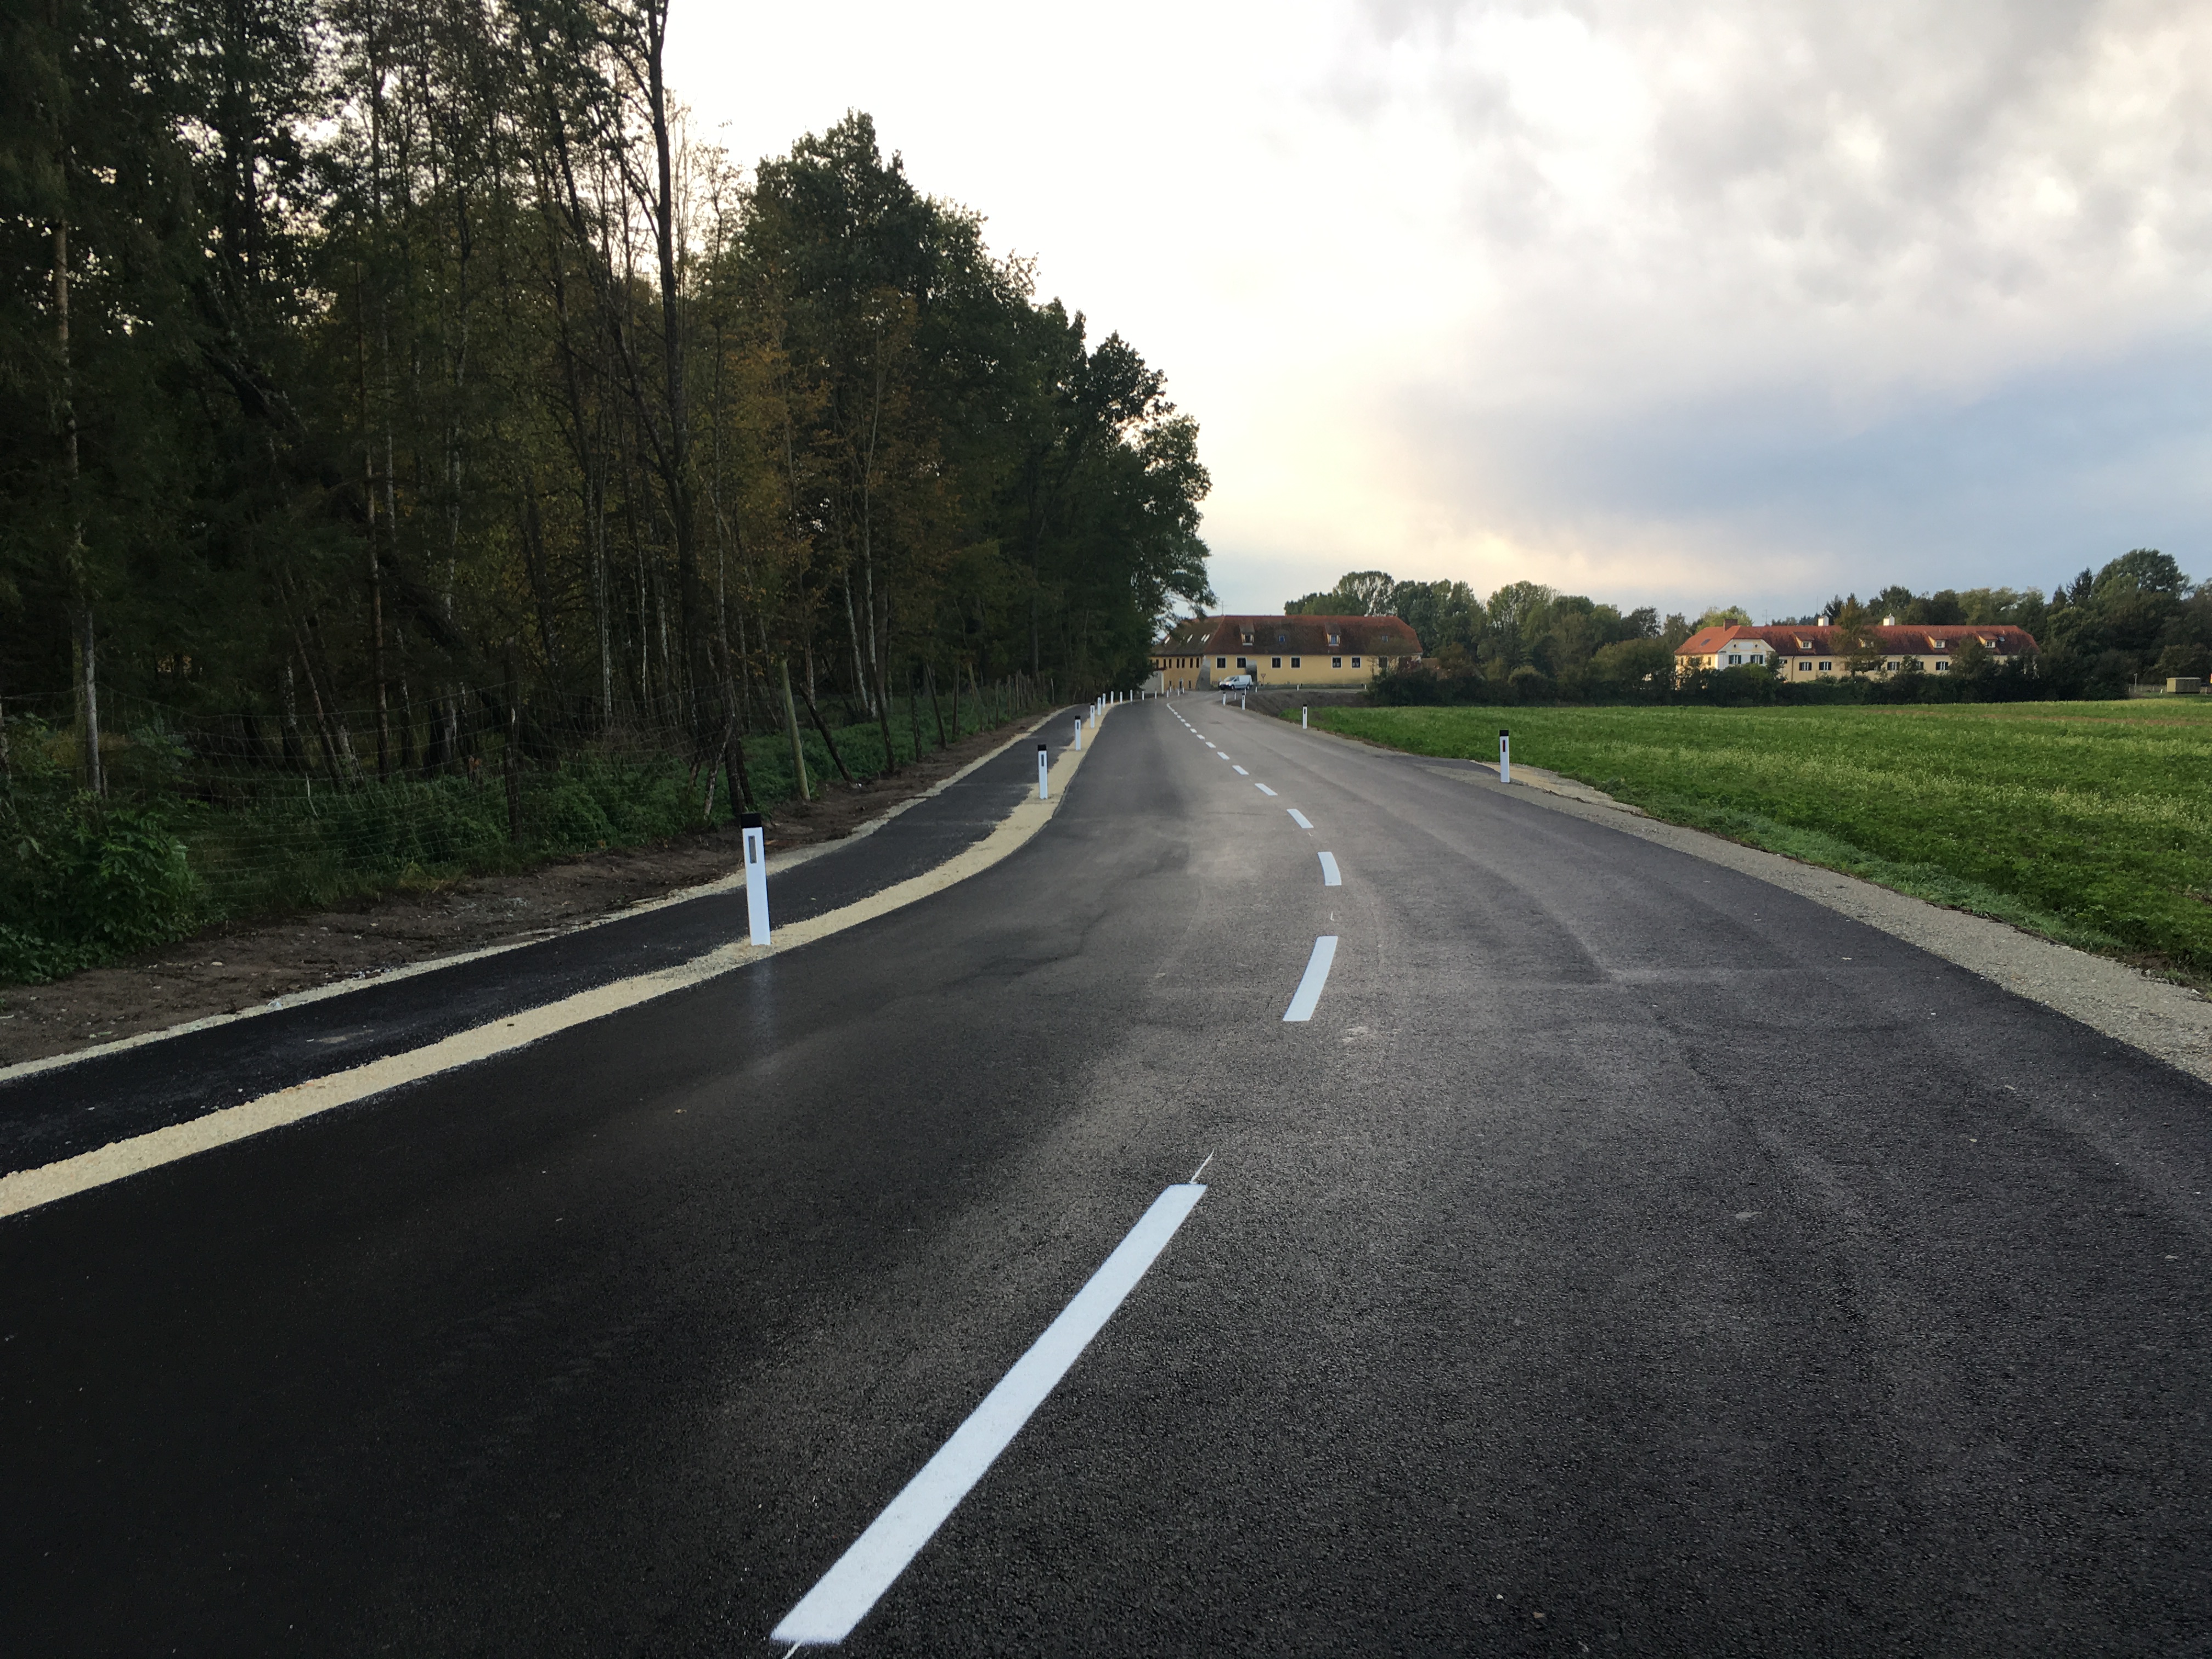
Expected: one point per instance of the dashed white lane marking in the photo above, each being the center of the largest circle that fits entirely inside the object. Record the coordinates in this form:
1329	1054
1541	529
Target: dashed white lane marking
1241	772
827	1613
1329	876
1309	992
1299	818
1260	786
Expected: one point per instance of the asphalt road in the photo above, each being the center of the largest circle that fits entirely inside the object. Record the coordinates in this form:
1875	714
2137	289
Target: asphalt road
51	1114
1625	1257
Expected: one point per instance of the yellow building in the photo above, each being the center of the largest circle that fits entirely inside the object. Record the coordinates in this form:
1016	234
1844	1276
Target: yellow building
1282	652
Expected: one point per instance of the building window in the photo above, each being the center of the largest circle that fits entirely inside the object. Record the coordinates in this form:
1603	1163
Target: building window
1941	667
1336	662
1221	662
1804	667
1890	667
1278	662
1735	661
1355	662
1827	667
1240	662
1295	661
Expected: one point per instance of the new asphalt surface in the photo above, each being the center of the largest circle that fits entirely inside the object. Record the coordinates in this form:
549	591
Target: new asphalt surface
1626	1256
51	1114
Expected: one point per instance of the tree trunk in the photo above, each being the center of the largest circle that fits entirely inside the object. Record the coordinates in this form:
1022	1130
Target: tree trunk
791	725
828	742
511	760
85	645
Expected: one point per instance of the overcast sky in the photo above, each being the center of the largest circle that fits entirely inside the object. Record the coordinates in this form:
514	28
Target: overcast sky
1668	302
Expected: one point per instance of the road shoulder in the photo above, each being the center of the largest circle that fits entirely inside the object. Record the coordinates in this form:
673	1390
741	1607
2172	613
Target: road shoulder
2167	1021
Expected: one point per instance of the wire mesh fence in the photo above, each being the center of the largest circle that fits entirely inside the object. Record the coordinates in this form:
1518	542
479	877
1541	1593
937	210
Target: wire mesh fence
210	815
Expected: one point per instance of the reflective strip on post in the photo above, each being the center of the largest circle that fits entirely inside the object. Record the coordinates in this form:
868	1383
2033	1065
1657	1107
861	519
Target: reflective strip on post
756	878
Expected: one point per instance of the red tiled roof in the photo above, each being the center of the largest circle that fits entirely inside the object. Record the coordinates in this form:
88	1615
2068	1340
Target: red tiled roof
1707	640
2003	639
1308	636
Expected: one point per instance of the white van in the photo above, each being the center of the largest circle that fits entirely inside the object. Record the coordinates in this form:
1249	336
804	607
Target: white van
1234	683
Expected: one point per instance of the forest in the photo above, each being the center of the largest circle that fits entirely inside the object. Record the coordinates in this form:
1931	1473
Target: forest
2136	619
420	448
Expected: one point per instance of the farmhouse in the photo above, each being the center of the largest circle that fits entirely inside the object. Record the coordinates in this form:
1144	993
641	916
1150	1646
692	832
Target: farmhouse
1283	651
1816	651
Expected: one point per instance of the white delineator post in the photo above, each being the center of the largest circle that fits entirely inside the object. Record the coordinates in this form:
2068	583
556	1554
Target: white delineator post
1078	734
1303	712
1044	789
756	878
1504	755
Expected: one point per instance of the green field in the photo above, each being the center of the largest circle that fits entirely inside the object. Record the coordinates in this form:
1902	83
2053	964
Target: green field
2090	822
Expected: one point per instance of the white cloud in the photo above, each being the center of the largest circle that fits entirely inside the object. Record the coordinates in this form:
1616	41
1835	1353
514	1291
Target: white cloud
1663	301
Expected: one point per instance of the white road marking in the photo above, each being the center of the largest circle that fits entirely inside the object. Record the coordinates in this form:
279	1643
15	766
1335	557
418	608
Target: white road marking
1241	772
1329	875
1201	1169
1260	786
1309	992
27	1189
1299	818
827	1612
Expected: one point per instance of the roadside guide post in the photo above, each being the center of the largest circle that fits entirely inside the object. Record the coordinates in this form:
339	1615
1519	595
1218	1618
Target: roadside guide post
1044	789
1078	734
1303	709
756	878
1504	755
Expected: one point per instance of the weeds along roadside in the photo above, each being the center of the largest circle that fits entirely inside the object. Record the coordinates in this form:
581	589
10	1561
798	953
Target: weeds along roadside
233	818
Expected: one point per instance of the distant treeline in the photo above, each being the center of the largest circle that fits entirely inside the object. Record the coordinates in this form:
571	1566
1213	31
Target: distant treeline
2138	618
361	360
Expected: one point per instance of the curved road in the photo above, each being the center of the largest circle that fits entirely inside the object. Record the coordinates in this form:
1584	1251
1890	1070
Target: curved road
1625	1257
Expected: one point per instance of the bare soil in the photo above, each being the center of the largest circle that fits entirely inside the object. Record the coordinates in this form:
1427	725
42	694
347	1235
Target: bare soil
236	965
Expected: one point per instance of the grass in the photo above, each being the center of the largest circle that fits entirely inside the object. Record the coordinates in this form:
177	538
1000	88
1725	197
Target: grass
171	851
2088	822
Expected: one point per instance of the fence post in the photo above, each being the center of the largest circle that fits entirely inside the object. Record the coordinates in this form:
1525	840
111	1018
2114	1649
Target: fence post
755	879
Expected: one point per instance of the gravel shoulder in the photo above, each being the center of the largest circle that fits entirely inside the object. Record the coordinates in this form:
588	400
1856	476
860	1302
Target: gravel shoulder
235	965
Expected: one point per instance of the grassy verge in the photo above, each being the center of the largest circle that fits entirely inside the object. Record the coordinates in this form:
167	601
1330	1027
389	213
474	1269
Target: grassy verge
171	851
2088	822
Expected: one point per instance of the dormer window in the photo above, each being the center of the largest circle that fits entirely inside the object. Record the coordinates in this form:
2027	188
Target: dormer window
1335	639
1248	635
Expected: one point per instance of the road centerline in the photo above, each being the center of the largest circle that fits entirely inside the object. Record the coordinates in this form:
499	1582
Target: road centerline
1330	876
1260	786
843	1596
1316	976
1299	818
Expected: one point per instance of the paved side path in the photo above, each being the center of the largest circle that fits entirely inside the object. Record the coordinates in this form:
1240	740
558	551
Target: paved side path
54	1111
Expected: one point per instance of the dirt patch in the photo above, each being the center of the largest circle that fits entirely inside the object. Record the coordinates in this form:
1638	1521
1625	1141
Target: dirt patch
240	965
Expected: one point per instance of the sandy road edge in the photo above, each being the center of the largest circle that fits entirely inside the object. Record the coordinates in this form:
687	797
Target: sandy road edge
777	863
2167	1021
28	1190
